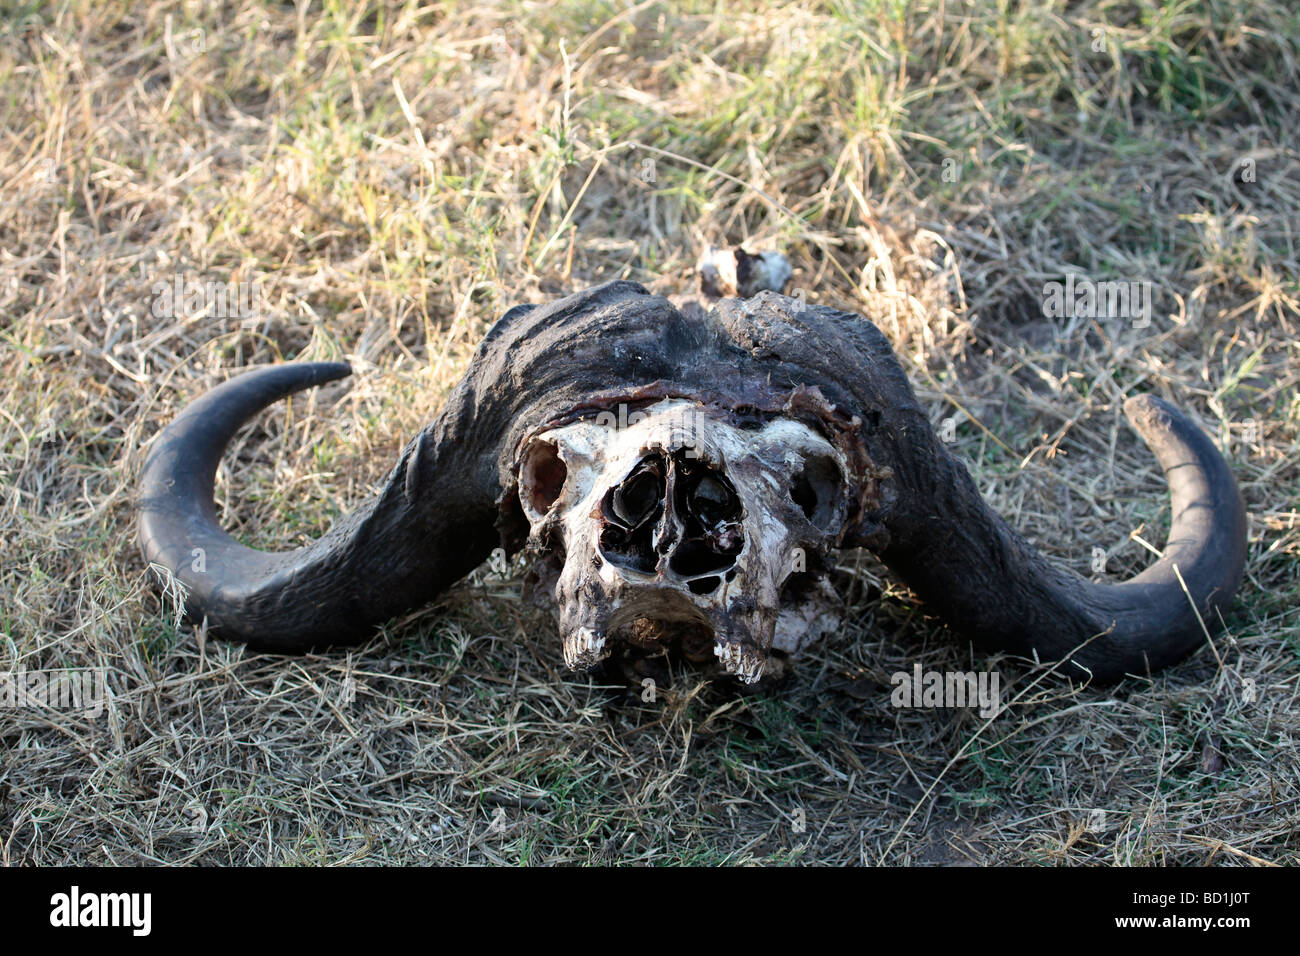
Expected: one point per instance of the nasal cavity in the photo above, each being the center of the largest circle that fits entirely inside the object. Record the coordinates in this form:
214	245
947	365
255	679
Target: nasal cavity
630	511
712	536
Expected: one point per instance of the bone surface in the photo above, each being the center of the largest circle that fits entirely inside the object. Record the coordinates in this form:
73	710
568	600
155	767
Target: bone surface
735	272
673	518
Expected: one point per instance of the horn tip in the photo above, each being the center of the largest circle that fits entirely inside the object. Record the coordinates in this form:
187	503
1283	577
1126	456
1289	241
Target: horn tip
1144	403
330	371
1147	412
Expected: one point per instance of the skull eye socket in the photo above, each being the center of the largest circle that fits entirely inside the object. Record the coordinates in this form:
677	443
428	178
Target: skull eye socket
542	478
816	490
804	495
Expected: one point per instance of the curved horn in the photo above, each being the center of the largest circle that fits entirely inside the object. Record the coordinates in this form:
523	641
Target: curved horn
931	526
984	578
432	524
442	509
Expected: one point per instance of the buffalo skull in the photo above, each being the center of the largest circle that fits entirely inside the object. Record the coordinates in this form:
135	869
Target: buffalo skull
683	478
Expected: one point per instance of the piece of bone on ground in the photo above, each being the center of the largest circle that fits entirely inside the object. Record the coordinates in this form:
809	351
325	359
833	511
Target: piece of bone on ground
734	272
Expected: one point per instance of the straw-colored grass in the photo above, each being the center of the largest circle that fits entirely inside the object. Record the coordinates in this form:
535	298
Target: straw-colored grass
391	178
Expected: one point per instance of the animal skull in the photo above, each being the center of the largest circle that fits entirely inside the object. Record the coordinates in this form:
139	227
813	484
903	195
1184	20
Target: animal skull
673	525
682	476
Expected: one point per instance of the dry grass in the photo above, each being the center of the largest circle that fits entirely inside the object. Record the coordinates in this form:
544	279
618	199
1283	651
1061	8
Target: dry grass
393	177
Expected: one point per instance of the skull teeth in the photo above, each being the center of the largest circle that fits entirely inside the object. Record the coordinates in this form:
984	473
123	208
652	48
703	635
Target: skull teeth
743	663
583	649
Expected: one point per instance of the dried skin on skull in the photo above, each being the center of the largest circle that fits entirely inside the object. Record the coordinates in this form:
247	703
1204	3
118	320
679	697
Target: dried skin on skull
680	524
